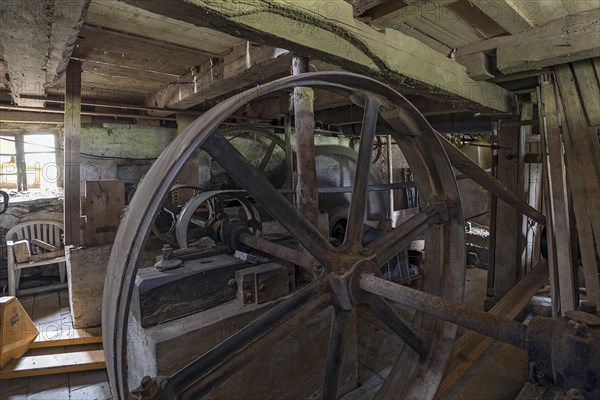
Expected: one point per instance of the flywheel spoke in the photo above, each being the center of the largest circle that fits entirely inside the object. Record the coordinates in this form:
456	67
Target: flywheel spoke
222	357
387	246
261	189
335	350
267	157
358	204
384	311
220	374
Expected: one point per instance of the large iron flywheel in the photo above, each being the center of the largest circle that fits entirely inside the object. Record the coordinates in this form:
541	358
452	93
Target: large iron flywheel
339	271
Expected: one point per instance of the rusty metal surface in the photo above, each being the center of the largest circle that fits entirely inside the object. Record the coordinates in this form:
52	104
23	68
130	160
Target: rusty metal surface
487	324
444	265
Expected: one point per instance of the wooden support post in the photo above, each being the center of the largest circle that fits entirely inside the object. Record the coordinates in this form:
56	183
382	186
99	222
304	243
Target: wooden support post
507	265
72	153
581	155
289	156
306	188
20	159
557	200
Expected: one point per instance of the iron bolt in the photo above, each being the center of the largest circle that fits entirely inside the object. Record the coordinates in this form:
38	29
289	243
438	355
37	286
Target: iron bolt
246	285
232	283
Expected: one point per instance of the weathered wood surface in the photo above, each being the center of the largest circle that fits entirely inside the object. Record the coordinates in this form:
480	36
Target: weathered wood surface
104	204
43	245
51	364
246	65
328	31
66	337
582	158
46	256
72	156
122	17
507	267
471	346
568	39
558	200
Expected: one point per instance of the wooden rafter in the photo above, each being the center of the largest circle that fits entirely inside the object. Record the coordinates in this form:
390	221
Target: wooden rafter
329	32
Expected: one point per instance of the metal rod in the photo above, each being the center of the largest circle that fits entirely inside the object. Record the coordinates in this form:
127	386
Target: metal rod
387	246
507	331
335	353
358	203
273	202
255	349
382	310
296	257
238	341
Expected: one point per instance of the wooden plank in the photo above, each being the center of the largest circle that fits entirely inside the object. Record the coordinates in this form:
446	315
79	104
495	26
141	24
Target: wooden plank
329	32
46	256
547	46
471	346
507	268
104	204
397	17
583	143
43	245
134	52
564	40
72	156
22	251
245	66
51	364
122	17
557	198
589	89
510	15
577	171
67	337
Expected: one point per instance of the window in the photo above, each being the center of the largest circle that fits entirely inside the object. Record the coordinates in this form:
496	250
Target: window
27	161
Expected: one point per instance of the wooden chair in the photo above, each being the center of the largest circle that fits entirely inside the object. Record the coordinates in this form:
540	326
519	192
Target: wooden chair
48	236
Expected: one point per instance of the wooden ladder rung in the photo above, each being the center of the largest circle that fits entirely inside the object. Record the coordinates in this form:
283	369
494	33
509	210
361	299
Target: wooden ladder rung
54	364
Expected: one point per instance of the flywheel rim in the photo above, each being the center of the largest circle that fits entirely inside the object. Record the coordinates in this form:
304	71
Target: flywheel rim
434	178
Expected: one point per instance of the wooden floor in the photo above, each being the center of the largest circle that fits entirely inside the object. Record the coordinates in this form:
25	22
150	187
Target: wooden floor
50	312
378	349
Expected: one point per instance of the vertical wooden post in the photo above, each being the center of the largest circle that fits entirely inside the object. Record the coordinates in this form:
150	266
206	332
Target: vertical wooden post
306	188
59	157
506	260
583	166
21	164
558	200
72	153
289	157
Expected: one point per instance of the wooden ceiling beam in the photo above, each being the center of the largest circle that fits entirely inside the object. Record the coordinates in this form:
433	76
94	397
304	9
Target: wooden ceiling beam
246	65
513	15
329	32
411	10
572	38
